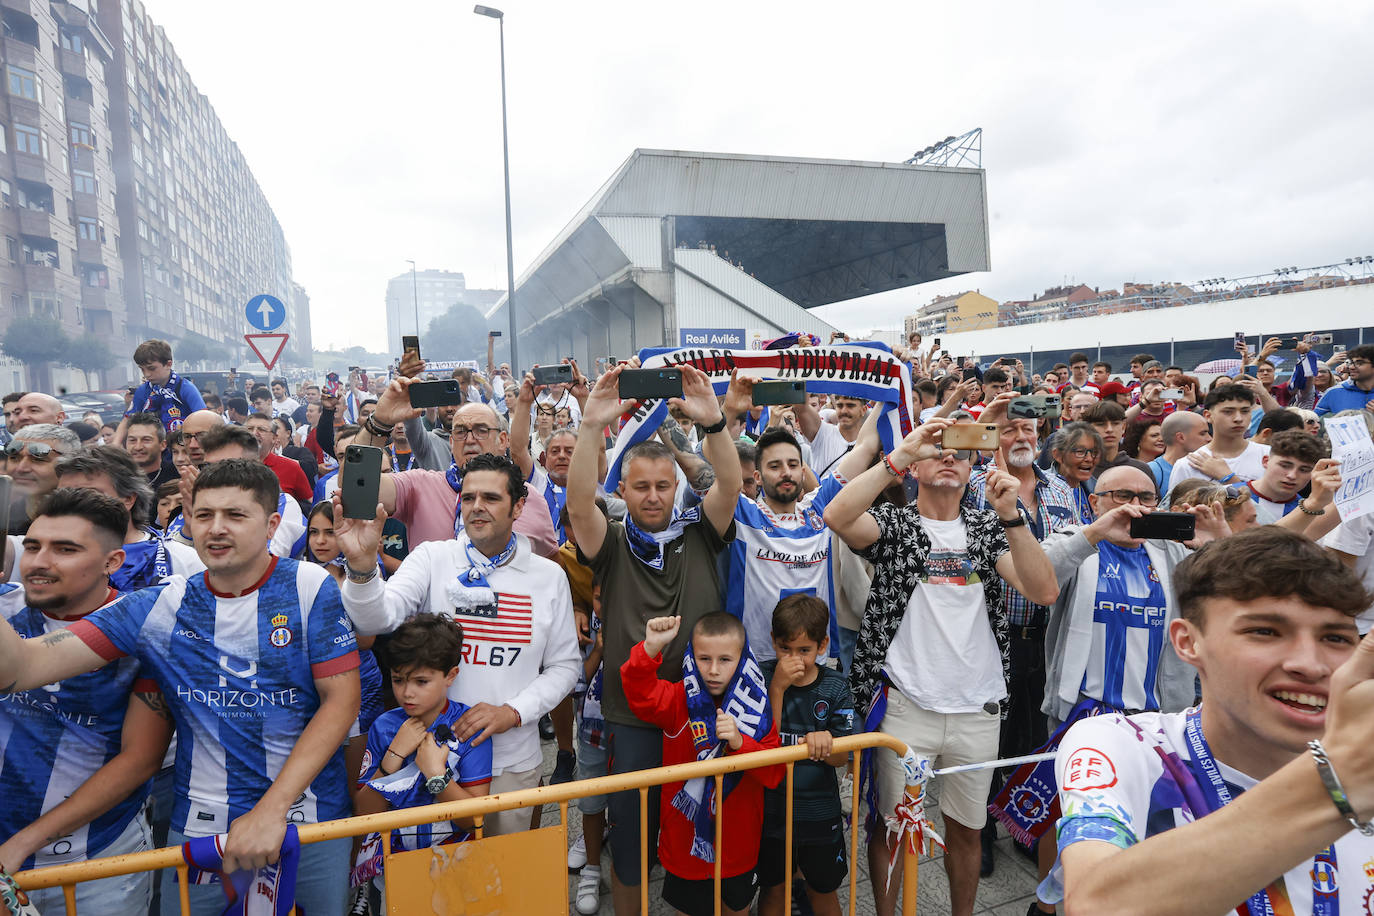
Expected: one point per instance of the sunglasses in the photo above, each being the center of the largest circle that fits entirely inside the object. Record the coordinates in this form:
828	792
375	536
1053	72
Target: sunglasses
37	450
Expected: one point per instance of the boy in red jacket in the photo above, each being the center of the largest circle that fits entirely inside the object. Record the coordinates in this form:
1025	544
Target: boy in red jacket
721	706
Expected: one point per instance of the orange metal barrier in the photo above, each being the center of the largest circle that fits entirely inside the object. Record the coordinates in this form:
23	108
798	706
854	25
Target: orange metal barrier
444	867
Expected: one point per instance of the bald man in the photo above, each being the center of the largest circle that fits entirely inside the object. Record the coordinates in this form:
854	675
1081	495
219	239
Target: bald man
426	501
36	407
193	427
1184	432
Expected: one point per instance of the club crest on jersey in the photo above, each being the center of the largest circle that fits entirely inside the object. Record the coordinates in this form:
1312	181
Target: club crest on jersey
281	633
821	709
814	520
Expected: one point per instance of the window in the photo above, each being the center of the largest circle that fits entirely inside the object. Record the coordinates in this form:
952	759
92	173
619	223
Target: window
43	304
6	191
25	84
87	228
142	228
97	277
42	257
12	250
84	182
29	140
71	41
81	135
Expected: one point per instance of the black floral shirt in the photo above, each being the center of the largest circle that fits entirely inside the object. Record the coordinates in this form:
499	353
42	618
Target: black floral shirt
899	565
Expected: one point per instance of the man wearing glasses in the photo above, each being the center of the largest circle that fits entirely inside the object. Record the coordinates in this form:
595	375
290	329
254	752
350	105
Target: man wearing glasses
1356	392
426	501
934	642
31	460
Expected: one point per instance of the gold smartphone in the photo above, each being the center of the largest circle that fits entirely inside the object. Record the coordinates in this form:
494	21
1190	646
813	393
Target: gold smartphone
980	436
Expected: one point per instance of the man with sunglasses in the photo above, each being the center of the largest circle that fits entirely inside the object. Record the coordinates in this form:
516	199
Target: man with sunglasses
426	501
31	461
1356	392
932	656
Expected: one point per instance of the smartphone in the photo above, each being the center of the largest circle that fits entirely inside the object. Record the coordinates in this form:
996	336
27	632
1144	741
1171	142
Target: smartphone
650	383
1172	394
980	436
410	342
1338	348
360	480
1164	526
779	392
438	393
612	362
1035	406
493	333
1252	370
1240	339
553	375
937	341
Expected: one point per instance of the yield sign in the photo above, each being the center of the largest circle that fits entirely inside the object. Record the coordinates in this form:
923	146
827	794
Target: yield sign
263	344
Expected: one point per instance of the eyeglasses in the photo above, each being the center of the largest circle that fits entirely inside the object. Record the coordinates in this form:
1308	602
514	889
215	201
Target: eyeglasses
38	451
1359	362
481	431
1146	497
1080	452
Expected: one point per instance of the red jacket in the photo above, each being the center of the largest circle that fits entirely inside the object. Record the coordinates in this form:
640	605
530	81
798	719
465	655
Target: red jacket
290	475
664	704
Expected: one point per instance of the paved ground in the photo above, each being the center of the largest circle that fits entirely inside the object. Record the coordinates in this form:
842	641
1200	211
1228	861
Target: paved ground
1008	892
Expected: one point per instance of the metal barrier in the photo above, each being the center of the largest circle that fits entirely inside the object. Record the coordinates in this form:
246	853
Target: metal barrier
68	876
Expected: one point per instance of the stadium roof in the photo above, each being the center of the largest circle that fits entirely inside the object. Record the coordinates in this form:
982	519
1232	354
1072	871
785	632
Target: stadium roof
815	231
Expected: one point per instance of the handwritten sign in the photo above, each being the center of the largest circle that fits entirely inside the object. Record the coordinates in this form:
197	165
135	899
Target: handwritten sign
1351	445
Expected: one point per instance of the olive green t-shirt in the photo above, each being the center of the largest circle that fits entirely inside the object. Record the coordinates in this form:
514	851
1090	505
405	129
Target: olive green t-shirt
632	593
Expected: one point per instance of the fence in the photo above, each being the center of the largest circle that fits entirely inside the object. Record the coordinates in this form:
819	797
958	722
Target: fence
522	889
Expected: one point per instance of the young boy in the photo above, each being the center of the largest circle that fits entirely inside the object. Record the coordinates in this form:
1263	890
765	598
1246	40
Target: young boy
593	760
720	706
163	392
812	706
412	757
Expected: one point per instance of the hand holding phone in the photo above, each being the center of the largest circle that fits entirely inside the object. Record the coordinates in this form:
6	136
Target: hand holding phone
360	481
1165	526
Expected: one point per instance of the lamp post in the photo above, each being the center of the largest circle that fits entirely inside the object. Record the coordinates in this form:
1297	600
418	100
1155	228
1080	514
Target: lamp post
415	294
500	17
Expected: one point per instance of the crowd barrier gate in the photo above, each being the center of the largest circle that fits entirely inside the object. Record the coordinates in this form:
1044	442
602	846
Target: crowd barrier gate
526	873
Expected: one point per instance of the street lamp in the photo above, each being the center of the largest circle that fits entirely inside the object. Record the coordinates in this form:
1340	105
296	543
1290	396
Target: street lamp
415	294
500	17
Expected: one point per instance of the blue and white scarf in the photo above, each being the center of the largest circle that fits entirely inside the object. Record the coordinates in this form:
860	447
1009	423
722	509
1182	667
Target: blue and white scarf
865	370
471	589
647	546
269	891
145	563
746	699
591	726
159	395
756	427
454	476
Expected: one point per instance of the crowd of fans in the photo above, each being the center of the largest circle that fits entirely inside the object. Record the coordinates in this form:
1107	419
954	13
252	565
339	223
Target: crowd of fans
199	643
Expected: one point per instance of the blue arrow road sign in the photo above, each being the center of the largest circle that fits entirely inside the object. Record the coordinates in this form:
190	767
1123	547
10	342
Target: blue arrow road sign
266	313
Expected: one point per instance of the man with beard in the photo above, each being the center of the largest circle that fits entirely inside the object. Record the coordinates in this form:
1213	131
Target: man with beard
145	440
782	546
547	477
193	427
829	441
78	754
1047	504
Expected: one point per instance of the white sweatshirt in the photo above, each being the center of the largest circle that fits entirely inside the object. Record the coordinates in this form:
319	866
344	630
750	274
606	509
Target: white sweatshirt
521	651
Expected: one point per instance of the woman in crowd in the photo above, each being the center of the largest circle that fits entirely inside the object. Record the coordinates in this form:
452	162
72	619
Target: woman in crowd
1076	449
1142	439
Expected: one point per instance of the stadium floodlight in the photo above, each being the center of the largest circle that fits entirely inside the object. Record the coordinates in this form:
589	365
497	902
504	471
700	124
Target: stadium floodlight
488	12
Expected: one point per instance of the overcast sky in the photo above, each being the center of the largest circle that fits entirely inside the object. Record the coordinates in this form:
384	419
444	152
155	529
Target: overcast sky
1159	141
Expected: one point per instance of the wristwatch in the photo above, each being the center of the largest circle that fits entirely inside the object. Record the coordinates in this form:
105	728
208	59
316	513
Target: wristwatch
436	784
1014	523
716	426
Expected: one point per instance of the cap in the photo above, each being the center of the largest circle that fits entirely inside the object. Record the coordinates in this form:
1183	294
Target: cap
1107	389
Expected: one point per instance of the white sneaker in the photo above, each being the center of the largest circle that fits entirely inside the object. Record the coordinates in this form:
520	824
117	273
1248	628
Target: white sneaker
589	890
846	792
577	854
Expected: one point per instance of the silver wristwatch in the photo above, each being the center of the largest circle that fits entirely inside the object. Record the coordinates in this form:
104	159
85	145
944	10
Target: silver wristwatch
436	784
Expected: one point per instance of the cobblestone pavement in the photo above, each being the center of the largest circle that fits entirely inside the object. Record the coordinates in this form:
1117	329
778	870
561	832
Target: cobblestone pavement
1008	892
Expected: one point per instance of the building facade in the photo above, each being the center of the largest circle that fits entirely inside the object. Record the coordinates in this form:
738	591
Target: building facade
129	212
414	300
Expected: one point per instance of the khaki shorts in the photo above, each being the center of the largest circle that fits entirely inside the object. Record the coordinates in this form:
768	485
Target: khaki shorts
518	819
949	739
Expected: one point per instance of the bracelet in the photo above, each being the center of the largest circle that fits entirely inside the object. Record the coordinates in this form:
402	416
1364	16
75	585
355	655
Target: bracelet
376	429
1306	511
715	427
1017	522
892	468
1227	479
394	754
360	578
1335	790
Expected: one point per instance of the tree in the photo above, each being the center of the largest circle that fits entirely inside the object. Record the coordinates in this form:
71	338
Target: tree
195	348
459	333
89	353
35	339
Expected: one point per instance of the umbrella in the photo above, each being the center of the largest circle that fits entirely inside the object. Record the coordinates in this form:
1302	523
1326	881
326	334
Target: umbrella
1219	367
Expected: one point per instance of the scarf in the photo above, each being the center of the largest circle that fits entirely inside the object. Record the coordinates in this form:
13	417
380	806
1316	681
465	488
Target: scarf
1029	800
471	589
159	395
269	891
454	476
647	546
145	563
756	427
865	370
13	901
746	699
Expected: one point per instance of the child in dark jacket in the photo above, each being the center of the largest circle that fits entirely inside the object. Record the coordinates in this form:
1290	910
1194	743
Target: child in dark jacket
720	707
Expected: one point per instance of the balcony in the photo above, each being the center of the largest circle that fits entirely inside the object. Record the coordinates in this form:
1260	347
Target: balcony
36	223
89	251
